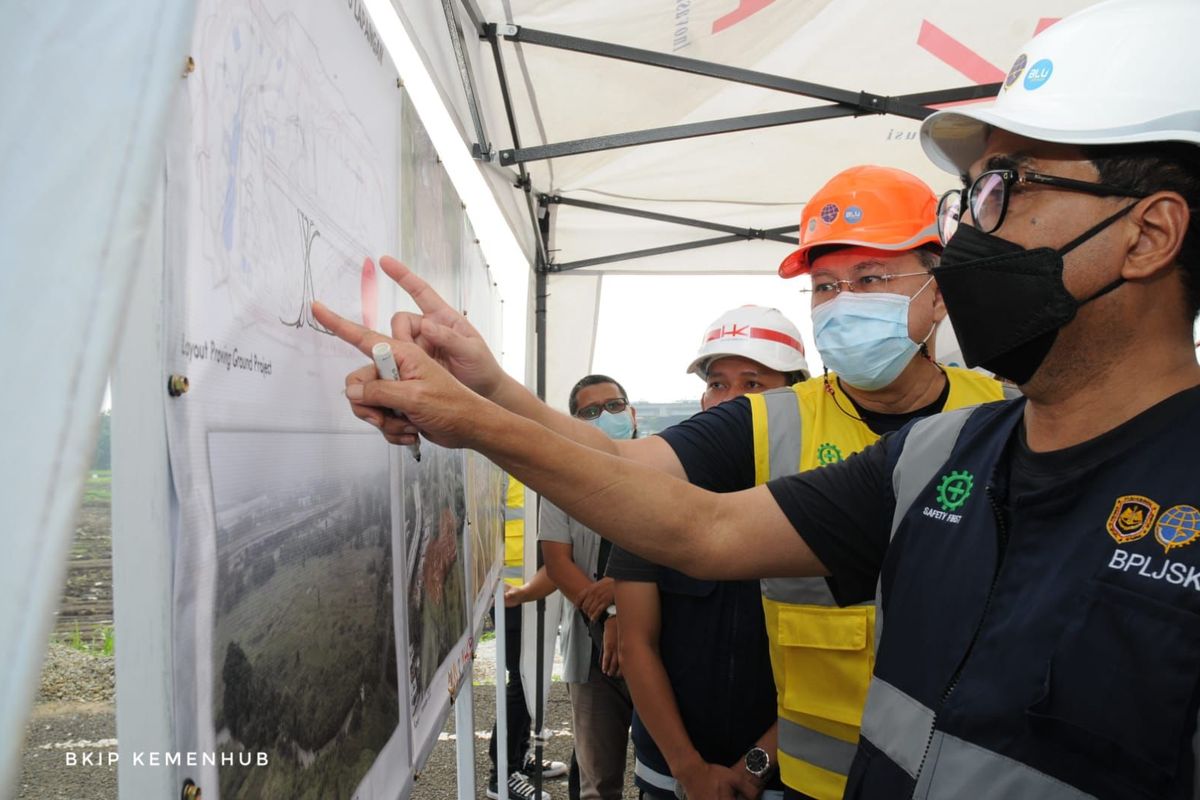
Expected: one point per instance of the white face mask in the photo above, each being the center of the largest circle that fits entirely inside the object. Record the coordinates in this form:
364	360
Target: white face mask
616	426
863	336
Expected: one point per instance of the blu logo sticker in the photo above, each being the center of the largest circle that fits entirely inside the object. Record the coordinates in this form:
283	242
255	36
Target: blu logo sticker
852	215
1038	74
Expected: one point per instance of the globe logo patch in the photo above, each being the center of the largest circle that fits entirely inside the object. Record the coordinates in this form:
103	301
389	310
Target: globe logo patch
829	212
1017	68
1178	526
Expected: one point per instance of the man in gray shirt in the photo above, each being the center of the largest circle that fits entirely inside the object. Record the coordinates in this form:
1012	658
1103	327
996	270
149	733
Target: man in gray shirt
575	558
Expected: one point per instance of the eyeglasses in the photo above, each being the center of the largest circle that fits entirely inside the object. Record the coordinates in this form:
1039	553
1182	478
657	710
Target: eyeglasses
863	283
987	198
615	406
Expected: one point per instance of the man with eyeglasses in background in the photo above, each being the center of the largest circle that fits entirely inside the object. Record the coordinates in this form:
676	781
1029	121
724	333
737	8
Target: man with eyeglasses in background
575	558
1034	557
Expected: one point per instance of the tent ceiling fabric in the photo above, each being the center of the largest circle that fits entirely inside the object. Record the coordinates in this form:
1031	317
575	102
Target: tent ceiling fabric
753	179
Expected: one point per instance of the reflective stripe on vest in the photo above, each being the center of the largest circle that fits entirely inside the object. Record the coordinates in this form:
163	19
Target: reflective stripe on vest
925	450
897	724
826	752
653	776
822	656
968	770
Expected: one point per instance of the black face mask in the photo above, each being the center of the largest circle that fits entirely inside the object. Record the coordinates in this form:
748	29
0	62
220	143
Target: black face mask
1007	303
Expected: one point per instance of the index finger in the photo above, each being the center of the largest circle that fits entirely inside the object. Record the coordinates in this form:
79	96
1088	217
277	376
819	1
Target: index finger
353	334
428	300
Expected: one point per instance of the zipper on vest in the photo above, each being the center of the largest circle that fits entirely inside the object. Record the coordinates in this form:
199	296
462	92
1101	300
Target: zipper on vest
1002	546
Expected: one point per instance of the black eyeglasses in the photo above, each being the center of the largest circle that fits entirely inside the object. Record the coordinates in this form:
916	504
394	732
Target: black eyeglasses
987	198
615	406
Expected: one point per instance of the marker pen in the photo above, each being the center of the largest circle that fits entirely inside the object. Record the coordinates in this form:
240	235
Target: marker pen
385	365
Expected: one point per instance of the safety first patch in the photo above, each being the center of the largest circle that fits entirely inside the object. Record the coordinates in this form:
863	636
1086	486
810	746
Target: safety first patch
952	492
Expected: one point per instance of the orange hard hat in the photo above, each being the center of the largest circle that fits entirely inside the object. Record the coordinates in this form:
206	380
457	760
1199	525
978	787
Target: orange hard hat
867	206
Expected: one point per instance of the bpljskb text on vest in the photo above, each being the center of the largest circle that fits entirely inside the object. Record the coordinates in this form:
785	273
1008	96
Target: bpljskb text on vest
1043	647
822	655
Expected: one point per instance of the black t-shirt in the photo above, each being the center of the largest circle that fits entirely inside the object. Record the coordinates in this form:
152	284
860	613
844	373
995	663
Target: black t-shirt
716	447
844	510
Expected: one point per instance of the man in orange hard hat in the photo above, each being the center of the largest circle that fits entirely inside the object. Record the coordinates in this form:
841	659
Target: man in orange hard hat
868	241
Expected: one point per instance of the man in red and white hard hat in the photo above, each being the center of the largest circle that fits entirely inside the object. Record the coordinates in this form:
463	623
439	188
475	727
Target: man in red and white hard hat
685	643
745	350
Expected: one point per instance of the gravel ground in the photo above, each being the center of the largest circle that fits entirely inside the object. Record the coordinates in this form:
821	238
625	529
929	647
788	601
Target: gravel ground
74	713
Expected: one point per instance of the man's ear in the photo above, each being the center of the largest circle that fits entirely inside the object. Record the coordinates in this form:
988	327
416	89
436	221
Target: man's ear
1160	223
939	305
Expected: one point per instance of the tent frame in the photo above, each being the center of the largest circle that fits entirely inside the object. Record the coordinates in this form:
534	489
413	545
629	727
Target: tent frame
842	103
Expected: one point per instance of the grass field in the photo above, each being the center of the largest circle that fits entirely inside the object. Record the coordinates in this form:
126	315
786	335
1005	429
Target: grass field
97	487
318	635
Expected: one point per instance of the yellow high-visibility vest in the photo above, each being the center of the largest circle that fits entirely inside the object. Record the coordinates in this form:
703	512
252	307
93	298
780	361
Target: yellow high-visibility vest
514	533
822	655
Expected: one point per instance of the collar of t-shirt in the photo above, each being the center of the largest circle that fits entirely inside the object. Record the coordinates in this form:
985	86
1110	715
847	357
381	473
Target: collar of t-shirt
881	423
1031	472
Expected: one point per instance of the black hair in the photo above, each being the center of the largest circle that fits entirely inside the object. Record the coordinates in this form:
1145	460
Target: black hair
586	381
1154	167
930	255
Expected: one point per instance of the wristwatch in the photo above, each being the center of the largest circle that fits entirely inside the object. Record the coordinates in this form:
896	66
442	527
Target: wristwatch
758	762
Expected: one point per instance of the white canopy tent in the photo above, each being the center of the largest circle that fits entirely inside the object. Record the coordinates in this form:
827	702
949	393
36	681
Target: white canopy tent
684	137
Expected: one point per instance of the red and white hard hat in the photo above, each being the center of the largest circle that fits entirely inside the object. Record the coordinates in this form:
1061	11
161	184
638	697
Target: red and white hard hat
1118	72
760	334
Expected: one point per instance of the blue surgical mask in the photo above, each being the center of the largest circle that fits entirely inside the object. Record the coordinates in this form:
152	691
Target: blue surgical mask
863	337
616	426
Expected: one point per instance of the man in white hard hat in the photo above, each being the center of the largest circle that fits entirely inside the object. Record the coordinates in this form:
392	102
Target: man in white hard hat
695	653
746	350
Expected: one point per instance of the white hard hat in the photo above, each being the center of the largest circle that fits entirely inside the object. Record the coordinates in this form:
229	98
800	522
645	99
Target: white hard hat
760	334
1119	72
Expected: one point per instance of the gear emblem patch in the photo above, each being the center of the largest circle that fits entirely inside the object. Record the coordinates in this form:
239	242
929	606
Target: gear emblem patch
955	488
828	453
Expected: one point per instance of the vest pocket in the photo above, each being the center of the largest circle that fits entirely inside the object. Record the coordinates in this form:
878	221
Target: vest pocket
828	659
1121	681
